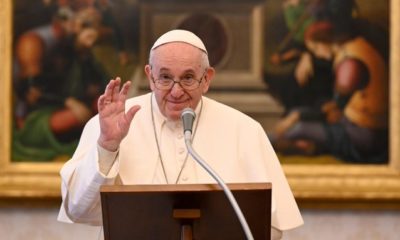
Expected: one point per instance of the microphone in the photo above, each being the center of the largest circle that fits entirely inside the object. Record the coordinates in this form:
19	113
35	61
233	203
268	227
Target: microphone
188	117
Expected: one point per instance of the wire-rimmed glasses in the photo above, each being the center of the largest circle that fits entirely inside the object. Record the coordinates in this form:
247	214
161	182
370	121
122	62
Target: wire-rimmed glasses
187	82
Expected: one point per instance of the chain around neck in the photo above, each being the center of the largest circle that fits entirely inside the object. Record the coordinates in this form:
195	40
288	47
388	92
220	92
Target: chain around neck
158	145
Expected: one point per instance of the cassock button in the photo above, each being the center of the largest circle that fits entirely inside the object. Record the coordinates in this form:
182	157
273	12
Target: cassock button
181	150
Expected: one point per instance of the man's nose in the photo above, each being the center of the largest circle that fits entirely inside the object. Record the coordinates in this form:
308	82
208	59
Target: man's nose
177	90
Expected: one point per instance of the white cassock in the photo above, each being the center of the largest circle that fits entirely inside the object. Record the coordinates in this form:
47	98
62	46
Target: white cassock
233	144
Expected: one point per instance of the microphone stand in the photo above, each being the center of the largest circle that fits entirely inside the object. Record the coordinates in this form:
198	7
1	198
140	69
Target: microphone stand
228	193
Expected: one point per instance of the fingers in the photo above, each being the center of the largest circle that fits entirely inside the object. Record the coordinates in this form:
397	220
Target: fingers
115	89
124	91
112	90
113	94
132	112
101	102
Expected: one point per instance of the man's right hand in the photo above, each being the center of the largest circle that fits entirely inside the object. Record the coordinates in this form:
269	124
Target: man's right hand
114	121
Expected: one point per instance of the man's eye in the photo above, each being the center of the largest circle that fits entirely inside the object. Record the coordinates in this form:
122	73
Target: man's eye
187	79
165	77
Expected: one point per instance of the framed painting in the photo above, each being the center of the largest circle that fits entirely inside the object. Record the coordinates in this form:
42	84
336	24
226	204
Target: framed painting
314	185
298	31
50	47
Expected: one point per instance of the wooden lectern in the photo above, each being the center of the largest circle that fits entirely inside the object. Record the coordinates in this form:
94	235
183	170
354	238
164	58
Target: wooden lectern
184	211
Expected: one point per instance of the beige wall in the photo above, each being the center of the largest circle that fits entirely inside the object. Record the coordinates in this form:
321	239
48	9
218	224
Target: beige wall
41	224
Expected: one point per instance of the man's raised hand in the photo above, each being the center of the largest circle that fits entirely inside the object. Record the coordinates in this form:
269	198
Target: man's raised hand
114	121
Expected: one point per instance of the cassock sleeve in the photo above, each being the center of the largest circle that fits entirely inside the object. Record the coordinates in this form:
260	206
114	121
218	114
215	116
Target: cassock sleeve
81	179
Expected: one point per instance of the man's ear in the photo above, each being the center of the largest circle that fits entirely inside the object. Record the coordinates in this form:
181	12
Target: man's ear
208	77
147	70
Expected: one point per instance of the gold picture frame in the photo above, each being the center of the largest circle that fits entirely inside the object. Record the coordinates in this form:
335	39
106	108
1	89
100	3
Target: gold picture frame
372	186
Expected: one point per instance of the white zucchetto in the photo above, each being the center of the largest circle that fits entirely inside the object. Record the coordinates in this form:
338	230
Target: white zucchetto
179	35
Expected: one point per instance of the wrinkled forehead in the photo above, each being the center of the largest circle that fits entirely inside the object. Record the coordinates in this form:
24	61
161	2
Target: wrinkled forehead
177	56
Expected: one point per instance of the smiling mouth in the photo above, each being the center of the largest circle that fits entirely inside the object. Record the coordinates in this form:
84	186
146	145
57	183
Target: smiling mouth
179	104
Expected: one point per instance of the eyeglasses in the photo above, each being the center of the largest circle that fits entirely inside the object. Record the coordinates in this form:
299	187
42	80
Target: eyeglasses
187	82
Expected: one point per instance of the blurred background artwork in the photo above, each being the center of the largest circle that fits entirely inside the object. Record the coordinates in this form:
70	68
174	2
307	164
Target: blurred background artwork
314	73
361	200
327	64
65	52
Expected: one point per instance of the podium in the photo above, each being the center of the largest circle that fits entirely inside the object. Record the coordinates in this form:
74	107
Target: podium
184	211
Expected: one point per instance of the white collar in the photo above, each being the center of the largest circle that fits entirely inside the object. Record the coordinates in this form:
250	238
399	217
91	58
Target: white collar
160	119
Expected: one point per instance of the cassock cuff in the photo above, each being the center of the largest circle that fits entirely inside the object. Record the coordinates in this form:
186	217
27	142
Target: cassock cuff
108	162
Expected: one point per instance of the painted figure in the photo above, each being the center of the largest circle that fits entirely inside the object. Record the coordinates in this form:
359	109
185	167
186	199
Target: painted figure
57	85
356	119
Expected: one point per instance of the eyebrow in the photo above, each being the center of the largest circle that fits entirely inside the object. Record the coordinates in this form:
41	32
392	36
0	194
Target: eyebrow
188	71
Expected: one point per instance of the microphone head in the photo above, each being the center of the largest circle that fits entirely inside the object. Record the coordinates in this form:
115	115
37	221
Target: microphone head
188	116
188	110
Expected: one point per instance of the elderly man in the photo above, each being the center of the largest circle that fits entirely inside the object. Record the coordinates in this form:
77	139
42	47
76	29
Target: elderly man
140	140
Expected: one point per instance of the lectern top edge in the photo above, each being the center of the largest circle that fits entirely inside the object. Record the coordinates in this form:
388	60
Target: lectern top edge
183	187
